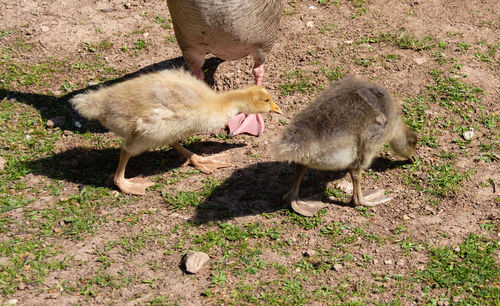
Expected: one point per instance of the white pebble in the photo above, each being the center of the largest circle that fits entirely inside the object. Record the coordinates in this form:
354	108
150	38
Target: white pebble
27	137
312	7
309	24
469	134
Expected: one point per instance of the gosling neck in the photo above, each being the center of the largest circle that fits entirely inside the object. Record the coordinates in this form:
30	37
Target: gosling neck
234	101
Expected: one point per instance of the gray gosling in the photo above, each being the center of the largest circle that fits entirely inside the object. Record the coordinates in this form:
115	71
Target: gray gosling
343	129
164	108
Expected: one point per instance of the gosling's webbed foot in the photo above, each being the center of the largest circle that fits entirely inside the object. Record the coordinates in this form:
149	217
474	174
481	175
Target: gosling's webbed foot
307	207
208	164
136	185
372	198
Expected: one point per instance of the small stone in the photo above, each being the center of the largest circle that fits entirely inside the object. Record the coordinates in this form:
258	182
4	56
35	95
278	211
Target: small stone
115	193
312	7
419	60
309	24
375	261
401	262
405	217
4	261
345	186
388	262
194	261
21	286
348	42
67	133
128	5
309	253
2	163
337	267
55	122
469	134
11	302
92	83
27	137
44	28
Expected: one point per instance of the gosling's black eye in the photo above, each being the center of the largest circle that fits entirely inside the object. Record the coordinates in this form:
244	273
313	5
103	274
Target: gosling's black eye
267	100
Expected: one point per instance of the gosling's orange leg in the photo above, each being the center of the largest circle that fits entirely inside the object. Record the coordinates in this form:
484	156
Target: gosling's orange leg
368	198
204	164
306	208
136	185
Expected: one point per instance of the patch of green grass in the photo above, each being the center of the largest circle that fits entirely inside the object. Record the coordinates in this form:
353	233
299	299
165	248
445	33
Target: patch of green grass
489	152
365	62
359	12
133	244
334	73
5	32
141	44
20	74
453	94
327	27
328	2
490	121
440	179
464	46
468	272
299	81
184	199
28	262
74	216
392	57
170	40
228	233
414	112
483	57
405	40
306	223
103	281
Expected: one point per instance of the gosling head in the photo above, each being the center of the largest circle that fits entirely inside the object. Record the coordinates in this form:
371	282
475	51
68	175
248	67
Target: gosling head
260	101
405	143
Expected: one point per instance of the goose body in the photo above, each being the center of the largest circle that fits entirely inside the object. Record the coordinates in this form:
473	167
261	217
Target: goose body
229	29
164	108
343	129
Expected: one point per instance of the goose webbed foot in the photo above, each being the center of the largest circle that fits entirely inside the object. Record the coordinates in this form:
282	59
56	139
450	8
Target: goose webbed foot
307	207
136	185
372	198
209	163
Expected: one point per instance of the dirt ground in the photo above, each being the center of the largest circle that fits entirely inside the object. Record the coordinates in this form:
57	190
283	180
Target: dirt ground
406	46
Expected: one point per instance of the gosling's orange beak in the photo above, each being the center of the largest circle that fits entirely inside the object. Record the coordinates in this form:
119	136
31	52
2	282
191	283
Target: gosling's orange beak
275	108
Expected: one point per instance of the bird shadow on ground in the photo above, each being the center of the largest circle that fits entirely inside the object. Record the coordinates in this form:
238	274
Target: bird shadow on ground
382	164
88	166
51	106
259	189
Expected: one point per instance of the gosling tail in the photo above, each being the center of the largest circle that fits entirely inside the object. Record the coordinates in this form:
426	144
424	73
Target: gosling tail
89	104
